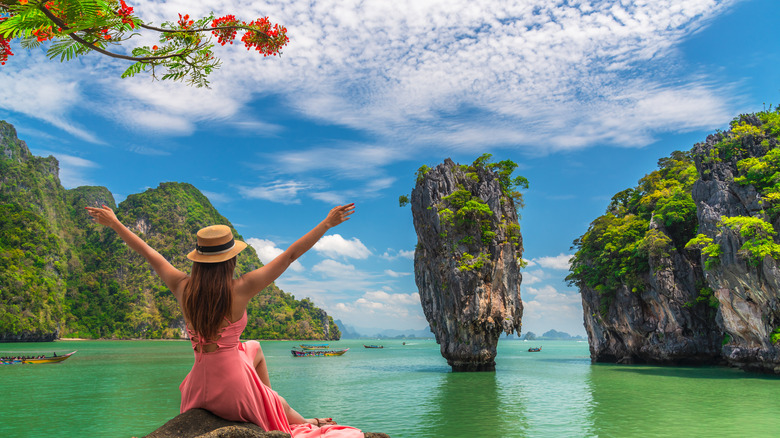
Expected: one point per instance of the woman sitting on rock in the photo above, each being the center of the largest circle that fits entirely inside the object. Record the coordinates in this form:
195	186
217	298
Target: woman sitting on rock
230	378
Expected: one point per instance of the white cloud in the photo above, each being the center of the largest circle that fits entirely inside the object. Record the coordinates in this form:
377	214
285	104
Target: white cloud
392	254
382	308
43	90
560	261
331	197
267	251
556	309
395	274
388	298
371	189
533	277
284	192
347	159
535	74
334	269
333	245
406	254
215	197
530	71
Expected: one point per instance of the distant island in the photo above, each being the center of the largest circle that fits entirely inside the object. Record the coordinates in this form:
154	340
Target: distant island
551	335
350	332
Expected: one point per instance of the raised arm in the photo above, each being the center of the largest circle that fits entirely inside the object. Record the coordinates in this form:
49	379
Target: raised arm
172	277
250	284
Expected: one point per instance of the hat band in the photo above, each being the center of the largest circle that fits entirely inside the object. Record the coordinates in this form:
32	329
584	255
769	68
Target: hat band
215	250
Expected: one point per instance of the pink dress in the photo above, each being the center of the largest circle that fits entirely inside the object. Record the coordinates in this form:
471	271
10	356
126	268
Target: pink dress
225	382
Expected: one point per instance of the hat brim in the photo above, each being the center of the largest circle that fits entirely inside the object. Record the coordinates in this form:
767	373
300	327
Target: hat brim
217	258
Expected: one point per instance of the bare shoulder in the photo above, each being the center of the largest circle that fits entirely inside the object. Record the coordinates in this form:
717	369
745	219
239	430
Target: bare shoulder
251	283
181	285
242	287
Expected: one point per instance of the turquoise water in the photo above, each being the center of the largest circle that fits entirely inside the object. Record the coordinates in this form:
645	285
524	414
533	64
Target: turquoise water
129	388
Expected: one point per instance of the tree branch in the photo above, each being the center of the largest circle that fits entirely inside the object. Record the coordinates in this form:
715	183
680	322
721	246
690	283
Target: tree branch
203	29
92	46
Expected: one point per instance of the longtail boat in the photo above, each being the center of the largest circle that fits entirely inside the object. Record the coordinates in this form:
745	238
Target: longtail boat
28	358
374	346
304	353
534	350
314	346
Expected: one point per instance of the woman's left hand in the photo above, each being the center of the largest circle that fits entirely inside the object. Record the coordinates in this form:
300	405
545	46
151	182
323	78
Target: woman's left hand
103	216
339	214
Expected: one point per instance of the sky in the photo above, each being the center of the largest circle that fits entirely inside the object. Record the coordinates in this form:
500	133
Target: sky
585	96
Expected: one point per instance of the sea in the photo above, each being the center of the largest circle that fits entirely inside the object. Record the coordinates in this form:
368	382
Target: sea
130	388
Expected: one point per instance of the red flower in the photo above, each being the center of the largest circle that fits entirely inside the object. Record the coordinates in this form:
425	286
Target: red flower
43	33
5	48
225	35
185	21
264	39
125	13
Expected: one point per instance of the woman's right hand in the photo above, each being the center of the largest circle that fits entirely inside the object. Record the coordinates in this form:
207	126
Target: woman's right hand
339	214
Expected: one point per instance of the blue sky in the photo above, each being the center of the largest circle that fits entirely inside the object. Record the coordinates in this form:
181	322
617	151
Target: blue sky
585	96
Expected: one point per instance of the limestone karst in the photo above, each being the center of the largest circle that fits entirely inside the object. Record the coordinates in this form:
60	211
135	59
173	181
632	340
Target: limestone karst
468	256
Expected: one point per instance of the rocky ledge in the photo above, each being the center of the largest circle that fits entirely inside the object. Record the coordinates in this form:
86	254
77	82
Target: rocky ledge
200	423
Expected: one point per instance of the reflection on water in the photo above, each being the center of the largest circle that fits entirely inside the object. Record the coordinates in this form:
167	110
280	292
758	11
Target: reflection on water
552	385
651	401
469	405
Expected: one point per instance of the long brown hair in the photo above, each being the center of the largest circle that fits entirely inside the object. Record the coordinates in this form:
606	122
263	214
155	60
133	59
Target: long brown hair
208	296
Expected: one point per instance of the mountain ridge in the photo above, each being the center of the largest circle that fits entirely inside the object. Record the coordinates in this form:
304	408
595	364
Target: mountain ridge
61	275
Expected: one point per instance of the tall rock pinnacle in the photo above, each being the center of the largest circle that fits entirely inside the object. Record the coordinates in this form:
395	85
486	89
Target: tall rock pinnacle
468	257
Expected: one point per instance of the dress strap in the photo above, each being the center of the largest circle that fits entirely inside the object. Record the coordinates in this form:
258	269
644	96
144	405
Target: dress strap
198	342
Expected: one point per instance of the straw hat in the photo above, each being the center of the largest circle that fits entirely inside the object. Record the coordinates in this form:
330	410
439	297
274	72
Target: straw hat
215	244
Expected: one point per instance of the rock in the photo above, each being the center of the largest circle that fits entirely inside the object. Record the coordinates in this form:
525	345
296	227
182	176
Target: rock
27	336
11	148
655	325
748	296
200	423
466	263
678	312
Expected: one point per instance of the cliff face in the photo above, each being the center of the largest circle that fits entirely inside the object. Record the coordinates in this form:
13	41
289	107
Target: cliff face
62	275
656	324
684	267
466	263
747	287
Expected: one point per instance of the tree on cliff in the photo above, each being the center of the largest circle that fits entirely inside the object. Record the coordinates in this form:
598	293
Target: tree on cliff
77	27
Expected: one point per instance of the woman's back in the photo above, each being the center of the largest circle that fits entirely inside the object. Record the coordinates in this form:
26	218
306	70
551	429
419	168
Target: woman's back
223	380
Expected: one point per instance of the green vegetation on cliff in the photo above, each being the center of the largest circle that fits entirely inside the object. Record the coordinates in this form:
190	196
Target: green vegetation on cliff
659	215
752	145
59	272
470	217
616	248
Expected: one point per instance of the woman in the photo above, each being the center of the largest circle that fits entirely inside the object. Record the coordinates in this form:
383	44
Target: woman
230	378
